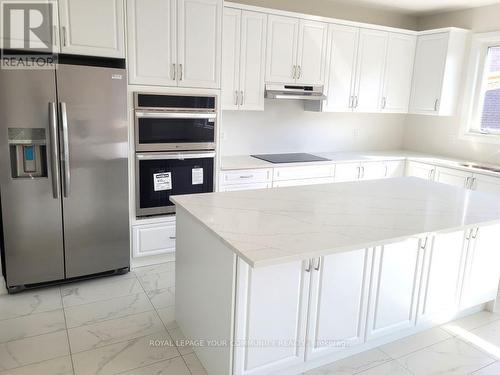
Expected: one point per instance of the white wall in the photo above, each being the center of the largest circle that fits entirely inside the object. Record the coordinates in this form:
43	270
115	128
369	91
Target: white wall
285	127
440	135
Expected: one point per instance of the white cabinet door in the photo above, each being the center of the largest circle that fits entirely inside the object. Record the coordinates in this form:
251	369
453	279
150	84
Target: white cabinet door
420	170
282	36
199	43
453	177
395	168
347	172
442	276
253	58
239	187
482	267
306	181
153	239
394	289
373	170
271	308
398	73
328	324
486	184
341	68
231	42
246	176
92	27
370	70
151	27
428	73
311	57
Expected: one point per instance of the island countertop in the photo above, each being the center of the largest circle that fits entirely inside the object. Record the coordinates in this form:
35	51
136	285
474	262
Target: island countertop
272	226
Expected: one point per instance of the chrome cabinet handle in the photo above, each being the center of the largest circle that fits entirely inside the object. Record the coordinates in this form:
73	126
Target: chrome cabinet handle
247	176
436	105
63	29
351	101
242	98
294	71
424	245
467	183
356	101
318	265
172	237
173	71
65	150
308	267
474	236
54	150
54	36
430	175
473	183
180	72
384	102
299	71
236	97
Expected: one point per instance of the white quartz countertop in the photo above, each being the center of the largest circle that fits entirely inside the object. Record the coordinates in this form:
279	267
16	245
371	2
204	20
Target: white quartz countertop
272	226
249	162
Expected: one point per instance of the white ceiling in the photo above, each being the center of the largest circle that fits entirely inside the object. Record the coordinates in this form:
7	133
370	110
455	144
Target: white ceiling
422	6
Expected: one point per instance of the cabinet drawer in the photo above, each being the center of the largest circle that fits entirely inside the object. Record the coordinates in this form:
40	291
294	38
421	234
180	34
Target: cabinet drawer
153	239
307	181
247	176
298	173
236	187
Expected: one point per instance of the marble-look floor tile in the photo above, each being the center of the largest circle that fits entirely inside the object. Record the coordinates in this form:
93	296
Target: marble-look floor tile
472	321
167	315
452	356
154	281
162	298
390	368
485	338
416	342
57	366
33	349
175	366
156	268
493	369
180	341
354	364
98	290
29	302
31	325
124	356
194	364
100	311
114	331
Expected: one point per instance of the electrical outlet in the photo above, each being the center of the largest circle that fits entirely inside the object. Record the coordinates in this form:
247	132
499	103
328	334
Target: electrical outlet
223	136
355	133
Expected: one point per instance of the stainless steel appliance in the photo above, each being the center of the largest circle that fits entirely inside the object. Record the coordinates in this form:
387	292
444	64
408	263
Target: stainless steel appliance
289	158
295	92
63	172
175	148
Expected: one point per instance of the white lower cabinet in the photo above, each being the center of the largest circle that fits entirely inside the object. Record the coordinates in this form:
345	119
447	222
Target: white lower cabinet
153	239
238	187
420	170
453	177
305	181
245	179
370	170
486	184
331	328
345	172
373	170
394	288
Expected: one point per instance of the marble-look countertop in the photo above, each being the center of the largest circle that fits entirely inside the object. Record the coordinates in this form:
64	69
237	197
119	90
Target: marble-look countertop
248	162
272	226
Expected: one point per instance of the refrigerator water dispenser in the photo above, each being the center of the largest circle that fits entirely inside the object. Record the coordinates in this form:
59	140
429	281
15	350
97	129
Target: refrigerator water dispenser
28	152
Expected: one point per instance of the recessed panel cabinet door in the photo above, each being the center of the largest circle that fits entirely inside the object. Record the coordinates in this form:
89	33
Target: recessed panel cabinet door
252	62
486	184
370	70
311	57
398	73
230	58
92	27
430	63
337	308
199	43
420	170
281	49
151	27
394	288
452	177
344	47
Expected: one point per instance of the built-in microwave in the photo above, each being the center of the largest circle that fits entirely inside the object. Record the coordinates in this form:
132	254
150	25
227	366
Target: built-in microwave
166	122
160	175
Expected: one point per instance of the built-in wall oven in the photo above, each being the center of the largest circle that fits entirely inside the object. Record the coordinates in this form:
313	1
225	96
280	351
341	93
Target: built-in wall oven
175	148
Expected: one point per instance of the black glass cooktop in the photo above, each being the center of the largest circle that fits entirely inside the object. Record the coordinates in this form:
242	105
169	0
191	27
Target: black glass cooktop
289	158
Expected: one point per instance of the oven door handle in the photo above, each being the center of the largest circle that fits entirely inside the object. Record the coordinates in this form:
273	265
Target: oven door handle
174	156
203	115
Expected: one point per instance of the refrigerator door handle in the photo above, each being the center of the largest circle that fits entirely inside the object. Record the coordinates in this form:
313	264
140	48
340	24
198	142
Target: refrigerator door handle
65	150
54	150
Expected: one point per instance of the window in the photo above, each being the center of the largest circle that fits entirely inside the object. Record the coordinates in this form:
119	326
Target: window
483	90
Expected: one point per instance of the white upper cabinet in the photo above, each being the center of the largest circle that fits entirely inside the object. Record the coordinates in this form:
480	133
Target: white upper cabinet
151	40
92	27
243	59
175	42
437	72
296	50
311	54
282	37
370	70
396	89
199	42
342	65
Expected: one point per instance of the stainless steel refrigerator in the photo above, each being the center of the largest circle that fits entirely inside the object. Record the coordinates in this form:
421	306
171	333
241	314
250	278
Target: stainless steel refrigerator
63	173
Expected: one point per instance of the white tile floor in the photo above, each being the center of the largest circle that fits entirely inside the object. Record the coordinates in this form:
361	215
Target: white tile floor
105	327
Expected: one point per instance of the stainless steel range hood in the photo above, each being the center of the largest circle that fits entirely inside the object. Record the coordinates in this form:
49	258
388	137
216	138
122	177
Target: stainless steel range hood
294	92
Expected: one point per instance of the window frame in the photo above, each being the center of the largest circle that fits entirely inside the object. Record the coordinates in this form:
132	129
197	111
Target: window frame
474	94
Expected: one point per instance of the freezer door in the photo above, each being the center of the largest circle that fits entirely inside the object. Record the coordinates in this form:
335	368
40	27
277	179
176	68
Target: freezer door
29	188
94	168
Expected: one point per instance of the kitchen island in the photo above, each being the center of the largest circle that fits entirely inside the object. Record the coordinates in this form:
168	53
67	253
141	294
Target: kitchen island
283	280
